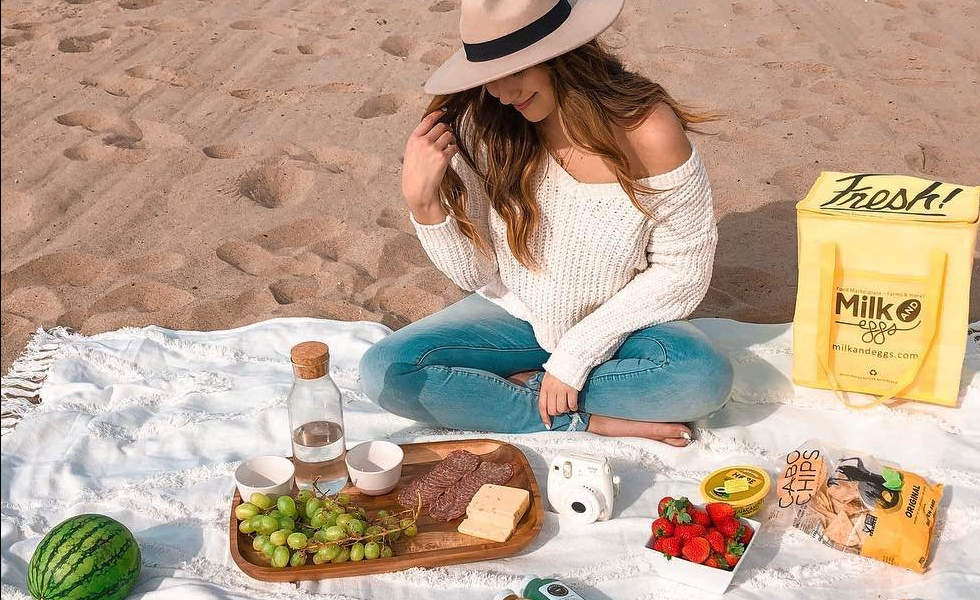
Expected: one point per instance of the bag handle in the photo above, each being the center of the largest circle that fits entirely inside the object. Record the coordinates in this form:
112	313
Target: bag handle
829	277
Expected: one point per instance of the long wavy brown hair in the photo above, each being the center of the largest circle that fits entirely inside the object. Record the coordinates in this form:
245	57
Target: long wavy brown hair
593	91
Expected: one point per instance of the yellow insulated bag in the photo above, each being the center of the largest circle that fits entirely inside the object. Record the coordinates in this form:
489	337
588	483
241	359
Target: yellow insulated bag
882	306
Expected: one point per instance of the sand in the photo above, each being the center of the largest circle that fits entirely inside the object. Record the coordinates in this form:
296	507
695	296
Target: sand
202	165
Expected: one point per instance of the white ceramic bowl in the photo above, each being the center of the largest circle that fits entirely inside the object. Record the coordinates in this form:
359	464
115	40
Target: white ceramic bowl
271	475
375	467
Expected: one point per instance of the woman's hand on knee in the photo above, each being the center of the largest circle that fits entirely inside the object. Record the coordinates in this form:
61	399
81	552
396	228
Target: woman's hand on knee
556	398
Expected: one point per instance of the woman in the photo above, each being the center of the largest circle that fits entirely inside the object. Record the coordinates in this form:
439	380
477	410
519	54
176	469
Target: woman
562	189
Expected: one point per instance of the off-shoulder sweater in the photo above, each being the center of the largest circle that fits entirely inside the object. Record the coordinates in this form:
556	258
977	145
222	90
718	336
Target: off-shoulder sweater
606	269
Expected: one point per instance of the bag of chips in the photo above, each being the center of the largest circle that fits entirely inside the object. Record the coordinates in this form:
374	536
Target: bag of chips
853	503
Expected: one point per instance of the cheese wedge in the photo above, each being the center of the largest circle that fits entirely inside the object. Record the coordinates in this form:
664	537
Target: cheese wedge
499	505
483	529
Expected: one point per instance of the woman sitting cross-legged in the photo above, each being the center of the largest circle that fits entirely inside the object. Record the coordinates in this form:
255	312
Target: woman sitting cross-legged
562	189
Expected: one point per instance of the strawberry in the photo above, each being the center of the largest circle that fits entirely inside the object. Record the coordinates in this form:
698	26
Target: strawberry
744	534
717	561
699	516
662	506
676	510
671	546
720	511
662	528
728	527
688	531
716	540
696	550
658	544
733	552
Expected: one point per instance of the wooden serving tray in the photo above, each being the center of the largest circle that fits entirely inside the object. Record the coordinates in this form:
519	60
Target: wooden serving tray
436	544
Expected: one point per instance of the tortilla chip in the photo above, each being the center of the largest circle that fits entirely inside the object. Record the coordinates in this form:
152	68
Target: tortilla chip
855	508
840	530
844	491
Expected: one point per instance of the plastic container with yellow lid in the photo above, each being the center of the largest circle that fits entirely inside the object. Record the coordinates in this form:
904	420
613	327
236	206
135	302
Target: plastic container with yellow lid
744	487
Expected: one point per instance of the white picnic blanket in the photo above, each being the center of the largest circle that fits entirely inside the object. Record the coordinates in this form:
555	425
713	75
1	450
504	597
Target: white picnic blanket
147	425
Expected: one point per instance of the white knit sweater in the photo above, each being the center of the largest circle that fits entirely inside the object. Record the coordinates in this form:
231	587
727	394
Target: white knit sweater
606	269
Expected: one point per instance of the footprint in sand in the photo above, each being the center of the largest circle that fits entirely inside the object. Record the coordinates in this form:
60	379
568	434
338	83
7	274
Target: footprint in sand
930	8
437	54
252	259
261	150
296	94
444	6
117	85
137	4
16	38
927	38
397	45
276	26
771	41
24	31
84	43
940	162
273	186
896	4
830	125
393	219
143	296
57	269
319	49
377	106
293	289
325	159
159	25
745	8
119	131
37	303
161	74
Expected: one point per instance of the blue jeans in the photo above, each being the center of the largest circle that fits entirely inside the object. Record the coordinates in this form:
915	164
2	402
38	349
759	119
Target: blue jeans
449	369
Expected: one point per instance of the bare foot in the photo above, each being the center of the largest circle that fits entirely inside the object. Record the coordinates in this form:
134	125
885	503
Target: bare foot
675	434
522	377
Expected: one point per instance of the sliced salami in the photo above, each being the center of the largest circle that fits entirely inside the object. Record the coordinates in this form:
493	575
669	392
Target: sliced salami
446	507
444	475
409	497
497	473
449	486
462	460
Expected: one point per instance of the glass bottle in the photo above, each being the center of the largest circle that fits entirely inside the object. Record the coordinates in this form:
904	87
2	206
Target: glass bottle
316	420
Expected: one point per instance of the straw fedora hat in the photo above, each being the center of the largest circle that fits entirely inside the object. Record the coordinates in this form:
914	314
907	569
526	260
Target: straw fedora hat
501	37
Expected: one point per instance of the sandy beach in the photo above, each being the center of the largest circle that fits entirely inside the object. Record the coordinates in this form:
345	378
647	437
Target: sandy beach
203	165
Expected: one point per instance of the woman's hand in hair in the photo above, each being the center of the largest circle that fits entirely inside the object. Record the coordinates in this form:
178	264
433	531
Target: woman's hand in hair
556	398
428	152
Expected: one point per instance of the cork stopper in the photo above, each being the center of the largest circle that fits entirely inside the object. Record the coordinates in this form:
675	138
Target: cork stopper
310	359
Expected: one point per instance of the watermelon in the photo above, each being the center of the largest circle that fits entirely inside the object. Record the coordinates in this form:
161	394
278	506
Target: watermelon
87	557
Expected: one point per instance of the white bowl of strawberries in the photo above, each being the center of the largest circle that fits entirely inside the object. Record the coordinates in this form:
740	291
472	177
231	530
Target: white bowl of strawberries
700	546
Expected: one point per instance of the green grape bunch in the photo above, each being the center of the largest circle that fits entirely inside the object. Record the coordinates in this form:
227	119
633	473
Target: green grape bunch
312	528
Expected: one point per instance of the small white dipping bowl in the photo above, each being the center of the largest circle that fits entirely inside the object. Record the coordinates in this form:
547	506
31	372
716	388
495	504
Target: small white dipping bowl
375	467
271	475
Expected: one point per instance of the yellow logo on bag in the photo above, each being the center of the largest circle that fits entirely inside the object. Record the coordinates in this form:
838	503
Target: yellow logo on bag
883	297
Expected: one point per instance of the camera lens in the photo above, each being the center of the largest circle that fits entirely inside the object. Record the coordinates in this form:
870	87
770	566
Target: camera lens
556	589
578	507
